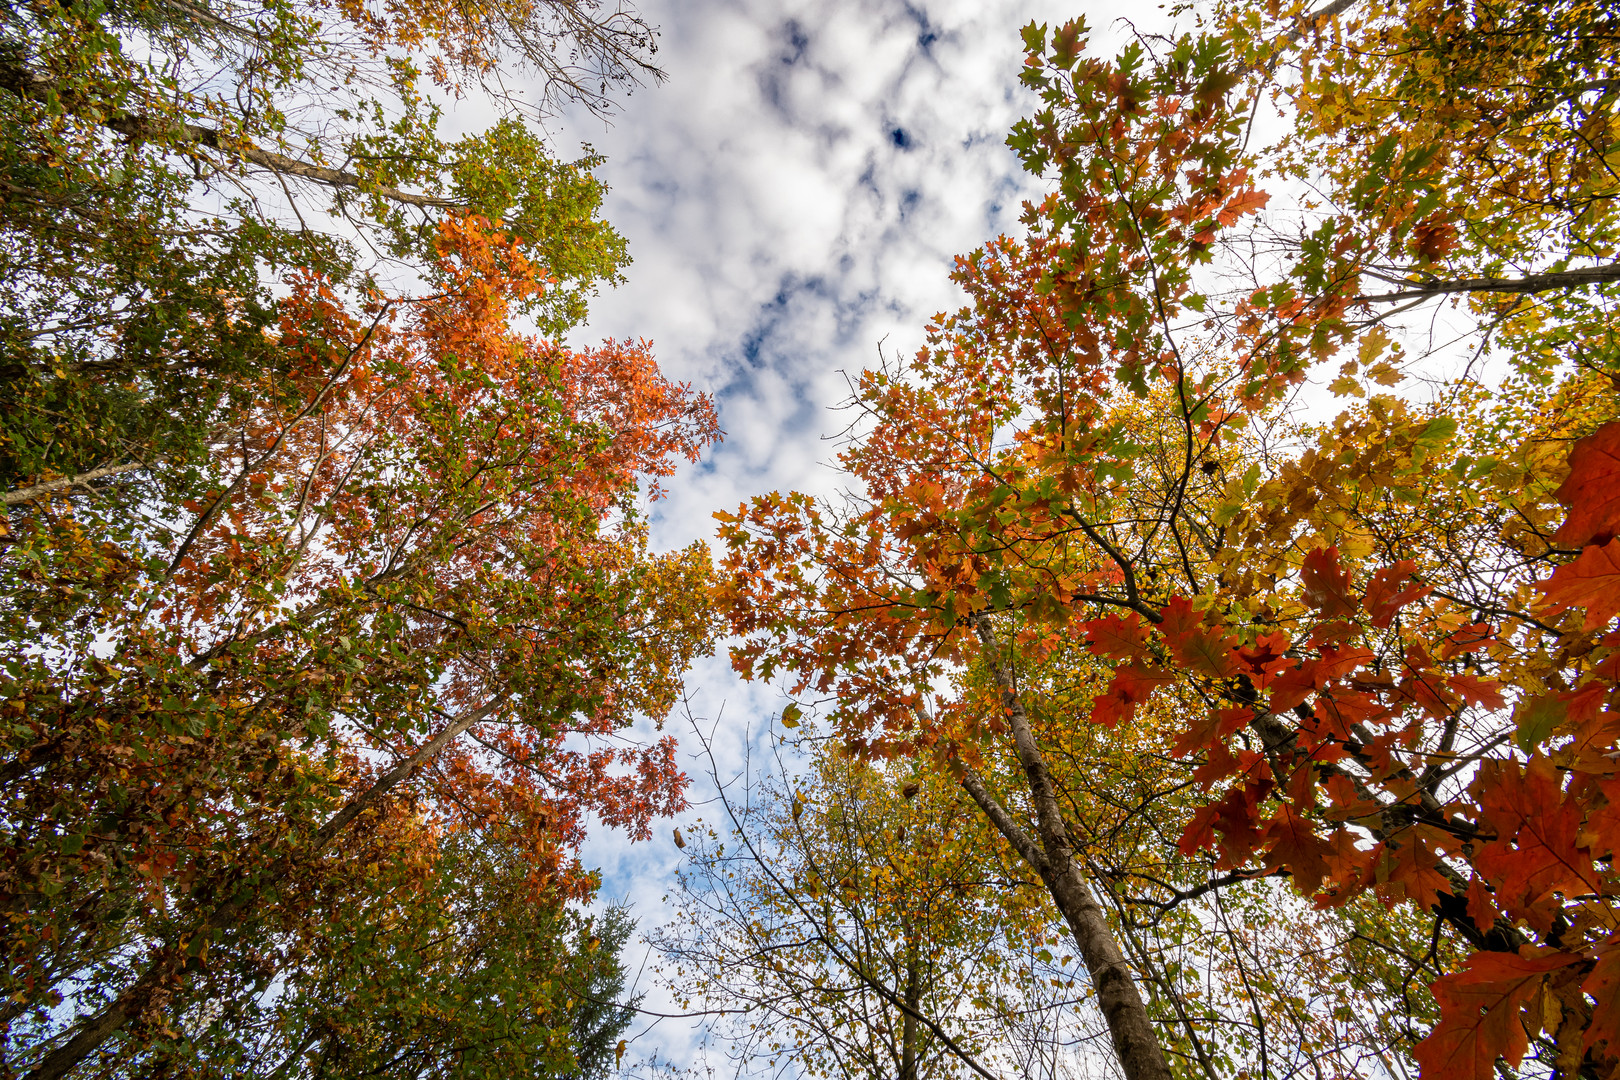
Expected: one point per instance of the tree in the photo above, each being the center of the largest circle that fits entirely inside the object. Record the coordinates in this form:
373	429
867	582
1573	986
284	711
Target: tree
325	590
414	600
1383	643
169	165
461	968
849	920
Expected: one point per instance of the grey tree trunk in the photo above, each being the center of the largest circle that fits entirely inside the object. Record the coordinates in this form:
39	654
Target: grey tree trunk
1136	1044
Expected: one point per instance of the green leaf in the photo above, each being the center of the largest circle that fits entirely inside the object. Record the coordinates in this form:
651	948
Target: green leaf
1436	432
1535	720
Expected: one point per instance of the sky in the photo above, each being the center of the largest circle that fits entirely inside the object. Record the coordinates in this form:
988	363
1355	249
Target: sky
793	197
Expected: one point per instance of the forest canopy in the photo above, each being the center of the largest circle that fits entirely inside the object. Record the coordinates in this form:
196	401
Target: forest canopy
328	588
1206	666
1191	646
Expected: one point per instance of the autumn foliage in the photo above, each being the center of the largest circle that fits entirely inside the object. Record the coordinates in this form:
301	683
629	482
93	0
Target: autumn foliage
234	712
1379	647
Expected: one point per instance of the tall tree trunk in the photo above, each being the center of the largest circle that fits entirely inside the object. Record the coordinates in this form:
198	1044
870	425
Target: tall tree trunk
1136	1044
913	996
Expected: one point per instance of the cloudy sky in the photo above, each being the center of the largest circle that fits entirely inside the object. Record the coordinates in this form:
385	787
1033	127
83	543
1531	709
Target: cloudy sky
793	196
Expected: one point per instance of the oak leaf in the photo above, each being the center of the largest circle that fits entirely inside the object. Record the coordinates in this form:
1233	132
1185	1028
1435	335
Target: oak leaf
1116	637
1292	844
1603	986
1129	688
1385	597
1537	850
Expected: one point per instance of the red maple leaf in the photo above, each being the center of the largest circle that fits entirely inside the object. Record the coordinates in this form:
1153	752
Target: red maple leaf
1117	638
1480	1014
1327	586
1591	582
1592	490
1236	819
1385	597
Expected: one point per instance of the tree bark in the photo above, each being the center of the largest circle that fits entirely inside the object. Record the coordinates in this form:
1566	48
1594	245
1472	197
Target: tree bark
24	83
908	1026
34	491
1530	283
1136	1044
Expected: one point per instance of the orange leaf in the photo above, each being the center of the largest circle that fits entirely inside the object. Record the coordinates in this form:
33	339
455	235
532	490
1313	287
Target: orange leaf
1292	843
1244	202
1267	656
1482	692
1117	638
1406	868
1591	582
1603	984
1592	490
1200	831
1480	1015
1130	687
1207	650
1537	849
1327	586
1216	725
1385	597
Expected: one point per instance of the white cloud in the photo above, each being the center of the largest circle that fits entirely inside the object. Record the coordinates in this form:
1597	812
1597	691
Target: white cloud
795	193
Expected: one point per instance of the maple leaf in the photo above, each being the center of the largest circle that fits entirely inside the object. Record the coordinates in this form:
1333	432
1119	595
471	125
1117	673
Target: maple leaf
1591	582
1592	489
1597	733
1385	597
1480	1017
1116	637
1129	687
1327	586
1601	834
1291	842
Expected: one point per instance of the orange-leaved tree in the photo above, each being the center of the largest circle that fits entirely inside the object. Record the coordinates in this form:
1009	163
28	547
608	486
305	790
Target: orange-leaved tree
1381	643
392	628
